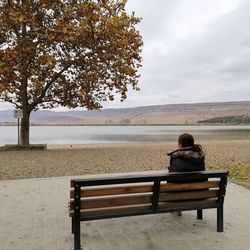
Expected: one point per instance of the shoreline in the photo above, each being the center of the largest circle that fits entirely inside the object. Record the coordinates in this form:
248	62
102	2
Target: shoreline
128	125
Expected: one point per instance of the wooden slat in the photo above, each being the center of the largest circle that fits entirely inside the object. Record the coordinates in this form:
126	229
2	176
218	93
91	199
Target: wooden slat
141	208
101	202
113	191
189	186
115	201
188	195
145	188
112	210
187	203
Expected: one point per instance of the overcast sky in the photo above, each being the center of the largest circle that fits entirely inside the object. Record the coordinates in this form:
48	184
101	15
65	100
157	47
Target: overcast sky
194	51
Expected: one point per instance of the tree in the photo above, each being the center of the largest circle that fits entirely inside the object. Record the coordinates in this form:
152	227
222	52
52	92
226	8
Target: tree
66	53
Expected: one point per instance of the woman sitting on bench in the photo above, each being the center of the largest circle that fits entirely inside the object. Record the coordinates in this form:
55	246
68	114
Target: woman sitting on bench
188	157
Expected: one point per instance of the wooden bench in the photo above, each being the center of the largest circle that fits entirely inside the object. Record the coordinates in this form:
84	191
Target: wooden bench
144	193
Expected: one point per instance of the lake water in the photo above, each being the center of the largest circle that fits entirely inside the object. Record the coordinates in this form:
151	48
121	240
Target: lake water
122	134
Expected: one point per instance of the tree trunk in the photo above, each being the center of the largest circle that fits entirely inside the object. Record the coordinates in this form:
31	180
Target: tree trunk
25	128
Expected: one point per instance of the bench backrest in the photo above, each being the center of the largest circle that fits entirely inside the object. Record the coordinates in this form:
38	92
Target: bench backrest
146	193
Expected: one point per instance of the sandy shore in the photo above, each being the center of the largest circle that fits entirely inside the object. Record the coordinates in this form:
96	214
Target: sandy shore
68	160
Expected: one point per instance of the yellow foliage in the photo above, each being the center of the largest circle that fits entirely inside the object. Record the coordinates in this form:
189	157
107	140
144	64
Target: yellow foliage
68	53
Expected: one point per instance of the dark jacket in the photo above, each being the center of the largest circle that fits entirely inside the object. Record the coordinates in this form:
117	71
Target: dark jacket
186	160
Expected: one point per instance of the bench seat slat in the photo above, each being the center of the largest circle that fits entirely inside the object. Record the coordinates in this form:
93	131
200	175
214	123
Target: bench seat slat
125	200
114	190
186	204
99	202
112	210
85	213
171	196
189	186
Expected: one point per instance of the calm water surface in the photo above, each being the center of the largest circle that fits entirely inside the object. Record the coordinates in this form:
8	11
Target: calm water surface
120	134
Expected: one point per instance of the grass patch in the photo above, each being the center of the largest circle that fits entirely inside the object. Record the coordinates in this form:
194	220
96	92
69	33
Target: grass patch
237	172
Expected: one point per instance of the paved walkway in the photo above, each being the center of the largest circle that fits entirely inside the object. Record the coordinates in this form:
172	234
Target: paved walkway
34	215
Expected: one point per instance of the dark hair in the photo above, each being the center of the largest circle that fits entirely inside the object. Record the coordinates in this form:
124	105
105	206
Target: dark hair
187	140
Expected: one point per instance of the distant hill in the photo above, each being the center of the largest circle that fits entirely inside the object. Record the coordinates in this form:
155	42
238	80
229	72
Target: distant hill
159	114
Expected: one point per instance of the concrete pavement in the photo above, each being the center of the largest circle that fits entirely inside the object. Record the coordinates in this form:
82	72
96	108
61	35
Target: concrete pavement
34	216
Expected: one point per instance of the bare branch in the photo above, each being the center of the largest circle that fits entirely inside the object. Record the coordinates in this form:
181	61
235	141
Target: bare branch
10	101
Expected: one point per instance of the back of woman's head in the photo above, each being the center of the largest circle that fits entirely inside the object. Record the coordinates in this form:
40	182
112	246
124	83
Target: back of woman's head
187	140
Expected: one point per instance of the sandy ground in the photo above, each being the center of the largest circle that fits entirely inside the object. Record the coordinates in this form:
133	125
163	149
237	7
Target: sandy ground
69	160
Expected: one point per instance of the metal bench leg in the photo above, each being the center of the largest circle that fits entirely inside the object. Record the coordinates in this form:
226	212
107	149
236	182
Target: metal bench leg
77	235
199	214
220	218
72	225
77	219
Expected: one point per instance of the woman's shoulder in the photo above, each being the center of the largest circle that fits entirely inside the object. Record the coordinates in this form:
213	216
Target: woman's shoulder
187	152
